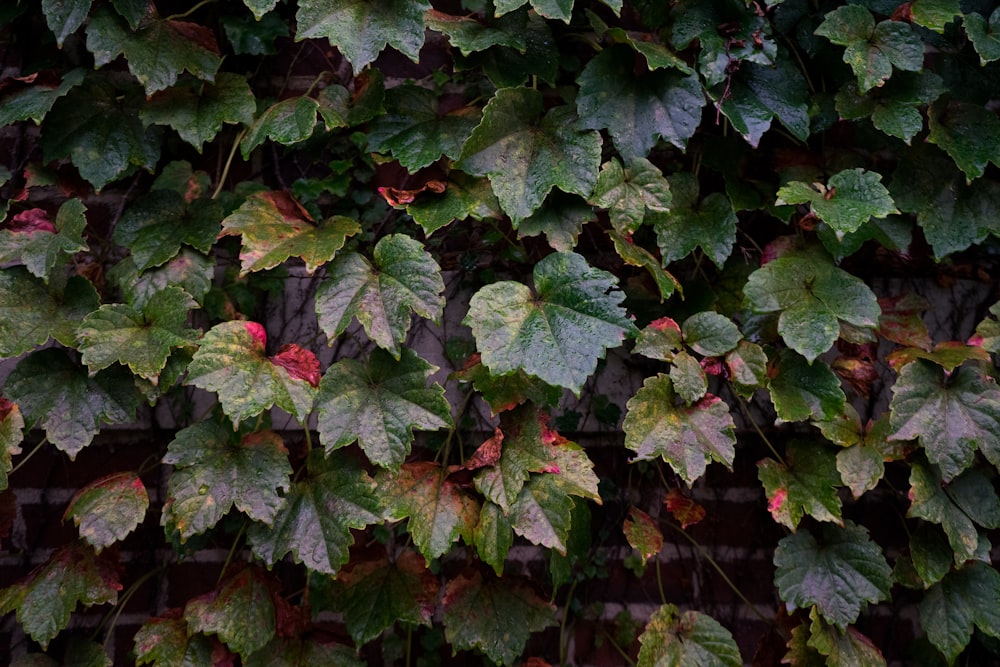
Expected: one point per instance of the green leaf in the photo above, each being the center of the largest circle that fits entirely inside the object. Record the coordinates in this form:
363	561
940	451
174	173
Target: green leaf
30	313
660	339
190	270
935	14
542	513
561	218
643	534
493	537
377	593
689	378
969	133
361	29
319	511
197	111
240	611
506	392
838	574
687	437
64	17
34	101
109	508
710	334
140	340
274	227
551	9
984	35
83	652
231	361
627	193
415	131
164	642
378	404
521	441
872	50
509	67
893	108
469	35
802	391
11	435
848	200
987	333
158	52
635	255
249	36
843	647
963	599
495	616
638	109
463	197
380	294
40	246
260	7
813	296
931	553
747	366
708	223
304	652
556	333
439	511
55	393
156	226
97	127
216	470
689	638
340	108
958	506
44	600
287	122
952	414
525	153
805	483
952	213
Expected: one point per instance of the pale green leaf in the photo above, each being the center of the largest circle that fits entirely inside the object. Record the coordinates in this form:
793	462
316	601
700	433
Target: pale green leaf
109	508
849	199
673	638
628	192
804	484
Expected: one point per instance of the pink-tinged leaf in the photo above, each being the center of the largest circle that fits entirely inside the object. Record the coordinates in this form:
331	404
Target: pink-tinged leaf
241	611
660	340
165	642
643	534
948	354
488	453
300	363
109	508
32	239
684	510
31	221
523	452
374	594
901	320
495	616
45	599
440	512
11	435
507	391
806	483
258	333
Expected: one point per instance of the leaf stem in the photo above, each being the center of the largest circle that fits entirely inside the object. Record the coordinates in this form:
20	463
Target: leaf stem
182	15
27	456
615	645
563	641
232	553
746	413
659	582
409	643
229	162
111	618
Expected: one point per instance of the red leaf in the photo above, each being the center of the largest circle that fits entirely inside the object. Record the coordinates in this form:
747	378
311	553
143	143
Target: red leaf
686	511
31	221
6	407
901	320
397	197
193	32
488	453
300	363
777	248
665	324
257	332
775	503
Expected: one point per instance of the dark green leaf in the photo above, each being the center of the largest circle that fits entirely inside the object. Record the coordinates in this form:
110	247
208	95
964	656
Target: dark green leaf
463	197
557	335
561	218
551	9
286	122
838	574
164	642
967	501
58	395
710	334
232	362
11	435
893	107
635	255
30	313
97	127
495	616
34	101
953	414
638	109
469	35
190	270
525	153
801	390
303	652
931	553
45	599
378	593
65	17
849	199
216	470
813	296
156	226
969	133
689	638
493	536
248	36
708	223
627	193
158	52
935	14
505	392
689	378
274	227
240	611
439	511
133	11
517	448
984	35
381	294
340	108
414	130
952	607
843	647
108	509
197	111
361	29
804	484
315	522
687	437
40	245
510	67
378	404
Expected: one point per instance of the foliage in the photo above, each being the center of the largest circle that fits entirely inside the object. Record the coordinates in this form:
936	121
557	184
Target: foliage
743	208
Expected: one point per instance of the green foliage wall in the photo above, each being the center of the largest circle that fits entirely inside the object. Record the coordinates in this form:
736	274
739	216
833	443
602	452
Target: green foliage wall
709	186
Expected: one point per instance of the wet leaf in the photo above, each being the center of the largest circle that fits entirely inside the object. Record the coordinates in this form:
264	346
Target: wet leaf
31	314
215	470
157	225
801	390
964	599
551	9
628	192
240	611
378	404
165	642
843	647
522	451
692	222
556	333
382	293
41	249
710	334
495	616
849	199
469	35
805	484
109	508
197	111
672	637
643	534
287	122
64	17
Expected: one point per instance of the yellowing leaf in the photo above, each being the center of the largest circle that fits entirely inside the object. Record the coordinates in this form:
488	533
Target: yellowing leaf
108	509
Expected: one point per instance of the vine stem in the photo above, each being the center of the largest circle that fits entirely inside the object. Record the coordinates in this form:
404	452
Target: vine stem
616	646
229	163
231	554
111	619
746	413
563	640
27	456
725	577
190	11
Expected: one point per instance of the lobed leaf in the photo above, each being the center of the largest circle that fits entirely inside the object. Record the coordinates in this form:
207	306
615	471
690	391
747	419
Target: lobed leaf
240	611
689	638
109	508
